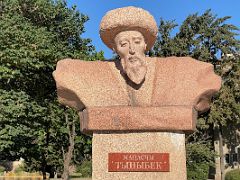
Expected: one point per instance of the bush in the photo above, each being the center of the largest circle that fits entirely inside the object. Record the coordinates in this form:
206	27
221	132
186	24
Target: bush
2	169
21	168
233	175
199	159
85	168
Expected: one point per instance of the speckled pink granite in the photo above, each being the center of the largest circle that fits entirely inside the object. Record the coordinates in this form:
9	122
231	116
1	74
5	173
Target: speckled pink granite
128	18
127	118
169	82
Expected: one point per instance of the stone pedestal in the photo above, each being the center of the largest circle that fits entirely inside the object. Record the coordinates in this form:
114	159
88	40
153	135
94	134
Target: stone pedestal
141	142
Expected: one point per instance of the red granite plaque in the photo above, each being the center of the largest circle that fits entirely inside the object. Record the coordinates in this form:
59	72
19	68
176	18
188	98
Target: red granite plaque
138	162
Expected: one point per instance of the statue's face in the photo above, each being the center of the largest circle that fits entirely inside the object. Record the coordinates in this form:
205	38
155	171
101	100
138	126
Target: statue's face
131	46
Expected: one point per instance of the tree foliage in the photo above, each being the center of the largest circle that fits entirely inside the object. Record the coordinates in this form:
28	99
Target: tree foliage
34	35
203	37
199	159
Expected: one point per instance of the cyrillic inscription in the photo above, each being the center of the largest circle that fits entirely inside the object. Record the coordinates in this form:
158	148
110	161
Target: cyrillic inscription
138	162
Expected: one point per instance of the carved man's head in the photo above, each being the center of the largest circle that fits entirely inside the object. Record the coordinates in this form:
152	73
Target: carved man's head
130	32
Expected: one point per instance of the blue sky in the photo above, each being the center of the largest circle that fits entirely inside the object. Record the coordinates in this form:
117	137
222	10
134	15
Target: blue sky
176	10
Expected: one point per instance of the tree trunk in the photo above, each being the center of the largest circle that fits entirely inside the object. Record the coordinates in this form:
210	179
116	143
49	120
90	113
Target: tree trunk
44	173
68	155
221	153
44	155
218	146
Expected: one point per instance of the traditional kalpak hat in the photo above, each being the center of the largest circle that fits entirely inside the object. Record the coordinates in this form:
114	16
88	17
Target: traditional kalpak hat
128	18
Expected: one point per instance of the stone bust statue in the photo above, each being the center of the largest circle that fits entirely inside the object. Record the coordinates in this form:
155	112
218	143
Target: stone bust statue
136	83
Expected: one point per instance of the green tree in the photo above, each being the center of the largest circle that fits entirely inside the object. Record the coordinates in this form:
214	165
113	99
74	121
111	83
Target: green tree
34	35
203	37
210	39
225	113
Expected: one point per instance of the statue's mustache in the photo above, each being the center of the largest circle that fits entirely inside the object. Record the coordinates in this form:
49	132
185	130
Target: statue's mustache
133	59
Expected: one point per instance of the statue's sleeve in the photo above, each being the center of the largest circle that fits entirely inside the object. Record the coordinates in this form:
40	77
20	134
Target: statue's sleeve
209	84
65	76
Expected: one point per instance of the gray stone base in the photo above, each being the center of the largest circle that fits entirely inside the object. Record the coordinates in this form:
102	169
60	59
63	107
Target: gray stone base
144	142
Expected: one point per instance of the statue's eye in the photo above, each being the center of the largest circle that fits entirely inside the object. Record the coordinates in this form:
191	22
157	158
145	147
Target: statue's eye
123	44
137	42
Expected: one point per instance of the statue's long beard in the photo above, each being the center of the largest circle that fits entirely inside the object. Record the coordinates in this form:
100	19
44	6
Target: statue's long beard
136	69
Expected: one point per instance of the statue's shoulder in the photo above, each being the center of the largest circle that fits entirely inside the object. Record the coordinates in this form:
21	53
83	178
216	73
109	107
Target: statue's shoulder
77	63
76	66
183	68
182	62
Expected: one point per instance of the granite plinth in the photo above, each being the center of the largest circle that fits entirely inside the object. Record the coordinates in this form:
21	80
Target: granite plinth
127	118
143	142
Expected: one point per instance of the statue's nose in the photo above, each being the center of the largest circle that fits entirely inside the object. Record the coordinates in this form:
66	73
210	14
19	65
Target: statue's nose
131	49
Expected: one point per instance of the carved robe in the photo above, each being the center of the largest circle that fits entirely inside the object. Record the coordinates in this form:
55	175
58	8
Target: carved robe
169	82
